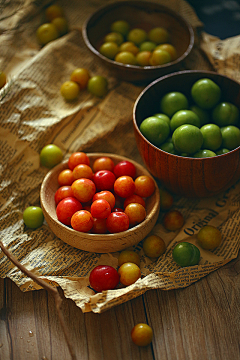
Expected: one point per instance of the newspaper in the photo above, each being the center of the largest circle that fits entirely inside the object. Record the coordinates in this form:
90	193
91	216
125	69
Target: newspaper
33	114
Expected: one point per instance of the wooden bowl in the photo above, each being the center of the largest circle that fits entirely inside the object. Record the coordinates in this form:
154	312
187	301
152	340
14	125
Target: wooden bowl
143	15
100	243
190	177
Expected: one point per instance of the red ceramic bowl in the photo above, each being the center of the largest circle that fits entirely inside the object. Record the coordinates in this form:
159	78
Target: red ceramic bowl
187	176
145	15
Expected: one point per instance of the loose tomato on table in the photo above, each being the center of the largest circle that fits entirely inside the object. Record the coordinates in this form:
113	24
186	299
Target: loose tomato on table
186	254
103	277
142	334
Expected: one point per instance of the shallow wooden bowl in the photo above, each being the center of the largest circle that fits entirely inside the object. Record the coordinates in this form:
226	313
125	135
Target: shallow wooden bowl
144	15
103	243
190	177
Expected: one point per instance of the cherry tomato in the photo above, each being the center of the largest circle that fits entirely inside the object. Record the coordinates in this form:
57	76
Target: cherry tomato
53	11
98	86
83	189
70	90
129	273
103	277
82	171
61	25
62	193
117	222
154	246
166	200
100	209
173	220
46	33
82	220
144	186
81	77
103	163
136	213
124	168
128	256
66	208
186	254
117	209
134	199
99	226
124	186
106	195
33	217
104	179
142	334
209	237
50	155
77	158
65	177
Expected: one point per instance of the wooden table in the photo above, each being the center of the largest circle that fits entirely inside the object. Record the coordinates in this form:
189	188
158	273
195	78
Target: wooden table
201	321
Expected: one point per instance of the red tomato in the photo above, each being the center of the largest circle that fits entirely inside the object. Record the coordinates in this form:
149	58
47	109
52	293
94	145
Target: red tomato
103	163
66	208
124	186
65	177
136	213
144	186
83	189
134	199
62	193
103	277
82	221
106	195
104	179
99	226
124	168
78	158
82	171
117	222
100	209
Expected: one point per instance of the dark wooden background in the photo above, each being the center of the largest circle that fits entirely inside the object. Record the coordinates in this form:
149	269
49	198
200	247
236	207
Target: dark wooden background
200	322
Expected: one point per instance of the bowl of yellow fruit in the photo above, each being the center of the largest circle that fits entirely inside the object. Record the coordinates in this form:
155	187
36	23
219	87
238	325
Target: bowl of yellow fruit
138	41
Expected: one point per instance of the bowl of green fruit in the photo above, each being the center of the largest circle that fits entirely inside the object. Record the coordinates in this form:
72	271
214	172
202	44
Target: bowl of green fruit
187	130
138	41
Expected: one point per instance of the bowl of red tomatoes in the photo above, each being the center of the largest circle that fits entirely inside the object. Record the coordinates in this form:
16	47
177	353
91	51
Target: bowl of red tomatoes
100	202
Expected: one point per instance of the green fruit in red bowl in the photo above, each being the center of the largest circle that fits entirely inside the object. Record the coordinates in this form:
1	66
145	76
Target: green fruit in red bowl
206	93
225	114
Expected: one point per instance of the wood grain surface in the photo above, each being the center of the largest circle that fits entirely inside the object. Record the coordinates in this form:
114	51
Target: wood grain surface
201	321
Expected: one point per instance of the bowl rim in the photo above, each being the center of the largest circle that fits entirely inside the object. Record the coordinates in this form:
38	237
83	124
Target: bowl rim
100	237
135	67
188	158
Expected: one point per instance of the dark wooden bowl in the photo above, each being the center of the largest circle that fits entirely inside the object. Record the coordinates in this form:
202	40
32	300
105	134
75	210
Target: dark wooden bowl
100	243
144	15
190	177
